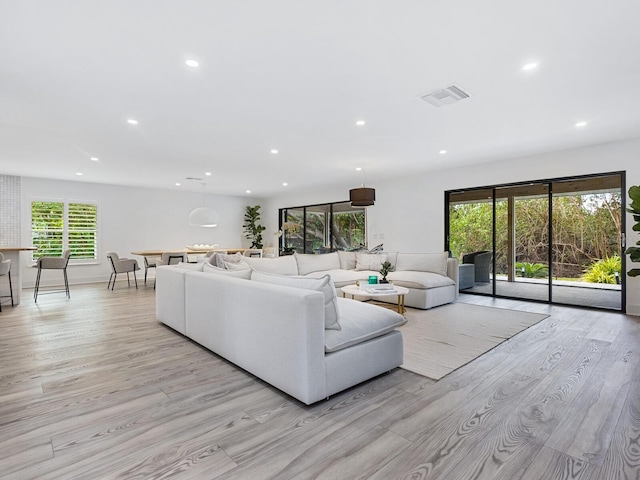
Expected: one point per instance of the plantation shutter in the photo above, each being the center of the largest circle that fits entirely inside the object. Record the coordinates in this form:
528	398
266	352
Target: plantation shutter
47	228
82	230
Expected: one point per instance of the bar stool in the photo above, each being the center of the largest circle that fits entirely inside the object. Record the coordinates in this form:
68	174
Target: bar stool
5	269
53	263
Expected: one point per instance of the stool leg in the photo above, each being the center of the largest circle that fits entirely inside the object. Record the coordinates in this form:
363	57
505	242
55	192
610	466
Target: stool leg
66	283
35	292
135	278
10	288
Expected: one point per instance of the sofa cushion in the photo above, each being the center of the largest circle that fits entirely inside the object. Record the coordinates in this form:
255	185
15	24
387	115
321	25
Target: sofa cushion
308	263
370	261
322	284
419	280
347	260
360	322
244	273
342	278
285	265
423	262
189	266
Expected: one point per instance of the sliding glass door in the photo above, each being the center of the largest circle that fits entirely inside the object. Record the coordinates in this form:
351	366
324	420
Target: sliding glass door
553	241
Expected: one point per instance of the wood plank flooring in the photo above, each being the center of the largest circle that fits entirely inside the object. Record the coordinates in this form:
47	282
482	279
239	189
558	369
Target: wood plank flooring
94	388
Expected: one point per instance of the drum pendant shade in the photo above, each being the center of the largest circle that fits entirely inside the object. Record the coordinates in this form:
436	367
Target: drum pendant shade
362	197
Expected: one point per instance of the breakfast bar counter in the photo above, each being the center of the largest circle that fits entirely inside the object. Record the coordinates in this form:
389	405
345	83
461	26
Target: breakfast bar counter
13	254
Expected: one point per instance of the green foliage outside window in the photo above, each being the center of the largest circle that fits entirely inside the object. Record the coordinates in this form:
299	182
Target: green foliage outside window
54	229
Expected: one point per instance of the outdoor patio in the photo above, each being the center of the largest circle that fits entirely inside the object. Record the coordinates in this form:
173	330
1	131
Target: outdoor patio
570	293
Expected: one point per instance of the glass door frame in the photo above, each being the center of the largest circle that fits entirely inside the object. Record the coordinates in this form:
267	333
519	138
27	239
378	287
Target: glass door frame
550	250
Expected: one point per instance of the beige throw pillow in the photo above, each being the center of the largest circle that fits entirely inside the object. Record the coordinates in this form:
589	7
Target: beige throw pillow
370	261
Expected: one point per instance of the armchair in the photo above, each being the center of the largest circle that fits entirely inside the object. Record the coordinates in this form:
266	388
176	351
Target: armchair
482	264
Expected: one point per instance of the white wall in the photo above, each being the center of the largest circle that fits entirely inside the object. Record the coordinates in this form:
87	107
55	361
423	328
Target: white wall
409	212
133	219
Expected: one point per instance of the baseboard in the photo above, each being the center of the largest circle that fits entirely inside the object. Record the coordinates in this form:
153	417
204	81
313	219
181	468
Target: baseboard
633	309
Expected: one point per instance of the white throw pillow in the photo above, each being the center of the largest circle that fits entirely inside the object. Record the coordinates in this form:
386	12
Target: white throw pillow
347	260
189	266
309	263
244	273
236	266
323	284
285	265
370	261
423	262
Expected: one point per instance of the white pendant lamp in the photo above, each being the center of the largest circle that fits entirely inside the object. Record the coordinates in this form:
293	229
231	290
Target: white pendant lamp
203	216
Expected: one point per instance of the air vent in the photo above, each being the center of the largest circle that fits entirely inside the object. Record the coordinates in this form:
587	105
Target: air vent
446	96
193	178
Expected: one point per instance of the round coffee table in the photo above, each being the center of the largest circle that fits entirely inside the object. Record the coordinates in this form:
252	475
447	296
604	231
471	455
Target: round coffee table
355	290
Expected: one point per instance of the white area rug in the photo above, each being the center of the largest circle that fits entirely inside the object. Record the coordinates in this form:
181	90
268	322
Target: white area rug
438	341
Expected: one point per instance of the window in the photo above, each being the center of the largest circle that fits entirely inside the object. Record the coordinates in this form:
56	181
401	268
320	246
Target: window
322	228
56	226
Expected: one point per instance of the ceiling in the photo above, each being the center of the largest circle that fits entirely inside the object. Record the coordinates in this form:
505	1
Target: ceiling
296	76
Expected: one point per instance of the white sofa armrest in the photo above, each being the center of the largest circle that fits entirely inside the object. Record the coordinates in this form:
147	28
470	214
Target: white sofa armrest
170	308
452	271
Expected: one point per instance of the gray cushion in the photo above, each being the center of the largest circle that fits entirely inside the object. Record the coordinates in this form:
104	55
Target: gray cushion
370	261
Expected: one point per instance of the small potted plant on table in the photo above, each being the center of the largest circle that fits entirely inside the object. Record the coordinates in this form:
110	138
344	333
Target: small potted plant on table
385	268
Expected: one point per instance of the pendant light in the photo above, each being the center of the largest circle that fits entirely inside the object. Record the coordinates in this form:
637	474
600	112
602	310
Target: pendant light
203	216
362	196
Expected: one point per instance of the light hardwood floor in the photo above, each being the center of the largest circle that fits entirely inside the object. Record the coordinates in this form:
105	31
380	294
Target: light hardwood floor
94	388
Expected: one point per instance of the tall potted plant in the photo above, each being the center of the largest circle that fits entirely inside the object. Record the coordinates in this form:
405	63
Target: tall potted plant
634	209
253	230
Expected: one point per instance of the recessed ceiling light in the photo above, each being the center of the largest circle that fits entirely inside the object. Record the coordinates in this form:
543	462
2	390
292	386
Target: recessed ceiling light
248	191
284	184
79	174
177	184
530	66
274	150
94	159
442	152
358	169
360	123
131	121
192	63
581	124
208	174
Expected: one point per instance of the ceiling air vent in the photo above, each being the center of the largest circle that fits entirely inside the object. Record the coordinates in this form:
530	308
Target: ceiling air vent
446	96
193	178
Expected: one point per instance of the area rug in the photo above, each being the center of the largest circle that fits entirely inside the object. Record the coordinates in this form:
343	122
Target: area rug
439	340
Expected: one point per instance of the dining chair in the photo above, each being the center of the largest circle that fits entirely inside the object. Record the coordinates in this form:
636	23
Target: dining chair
171	258
149	262
253	252
5	269
121	265
53	263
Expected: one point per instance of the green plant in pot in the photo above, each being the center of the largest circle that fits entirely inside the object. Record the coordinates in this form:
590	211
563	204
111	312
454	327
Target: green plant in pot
253	230
385	268
634	209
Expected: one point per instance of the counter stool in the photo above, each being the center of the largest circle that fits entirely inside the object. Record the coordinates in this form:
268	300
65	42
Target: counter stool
5	269
53	263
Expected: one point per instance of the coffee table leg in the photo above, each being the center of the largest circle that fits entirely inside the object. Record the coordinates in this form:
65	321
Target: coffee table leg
401	308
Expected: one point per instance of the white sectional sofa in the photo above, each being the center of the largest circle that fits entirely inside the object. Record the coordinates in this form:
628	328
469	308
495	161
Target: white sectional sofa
432	278
294	333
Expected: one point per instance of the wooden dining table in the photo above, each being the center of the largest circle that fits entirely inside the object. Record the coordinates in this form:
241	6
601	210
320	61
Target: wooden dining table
189	251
